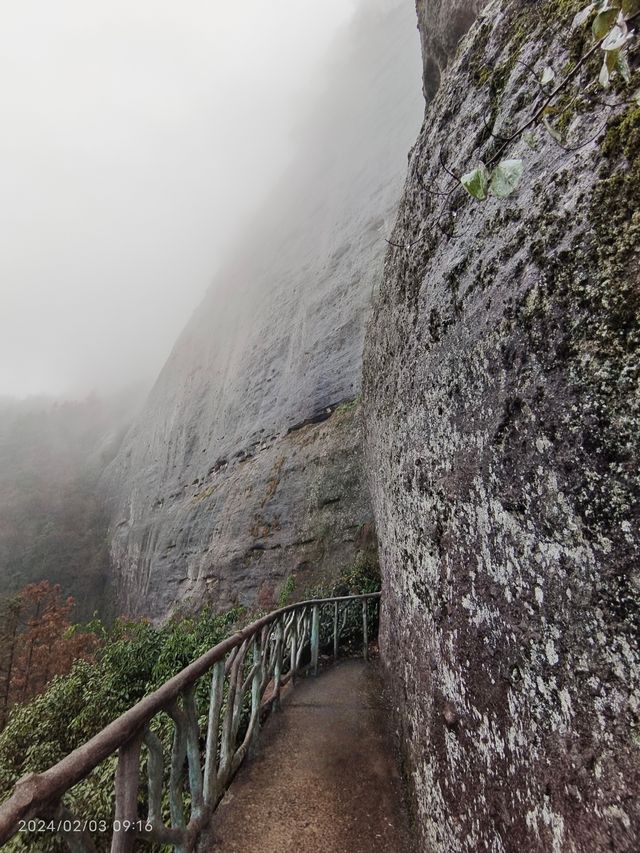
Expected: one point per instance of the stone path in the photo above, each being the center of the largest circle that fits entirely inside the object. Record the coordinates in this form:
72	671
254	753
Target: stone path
324	777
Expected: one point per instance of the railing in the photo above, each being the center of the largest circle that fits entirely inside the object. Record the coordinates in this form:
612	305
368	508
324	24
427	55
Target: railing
247	672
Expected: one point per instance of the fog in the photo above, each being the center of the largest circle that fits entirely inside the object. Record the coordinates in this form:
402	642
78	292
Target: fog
136	138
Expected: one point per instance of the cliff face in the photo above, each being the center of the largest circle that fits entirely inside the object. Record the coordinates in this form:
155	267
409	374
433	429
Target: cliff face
240	470
501	410
441	24
53	525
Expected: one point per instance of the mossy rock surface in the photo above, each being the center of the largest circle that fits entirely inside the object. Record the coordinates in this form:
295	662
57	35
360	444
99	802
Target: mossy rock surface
502	413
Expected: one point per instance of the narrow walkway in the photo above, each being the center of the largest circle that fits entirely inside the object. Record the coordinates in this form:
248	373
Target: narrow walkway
323	779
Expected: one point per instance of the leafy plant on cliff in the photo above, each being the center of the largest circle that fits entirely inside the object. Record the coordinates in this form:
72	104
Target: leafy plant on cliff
557	94
287	591
361	577
611	27
612	35
504	179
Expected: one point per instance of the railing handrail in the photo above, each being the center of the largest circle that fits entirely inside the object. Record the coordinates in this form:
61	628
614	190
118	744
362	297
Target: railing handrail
35	792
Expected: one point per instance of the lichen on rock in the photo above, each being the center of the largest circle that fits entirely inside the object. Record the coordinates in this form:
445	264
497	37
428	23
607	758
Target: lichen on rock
502	411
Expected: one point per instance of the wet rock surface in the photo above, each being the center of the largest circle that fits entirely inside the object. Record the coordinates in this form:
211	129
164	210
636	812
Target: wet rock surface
217	494
442	23
292	505
502	414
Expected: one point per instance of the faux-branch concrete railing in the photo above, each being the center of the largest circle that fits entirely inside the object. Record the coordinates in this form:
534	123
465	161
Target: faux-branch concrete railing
267	653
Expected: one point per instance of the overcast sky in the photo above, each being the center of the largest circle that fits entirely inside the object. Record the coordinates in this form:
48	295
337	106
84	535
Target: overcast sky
136	134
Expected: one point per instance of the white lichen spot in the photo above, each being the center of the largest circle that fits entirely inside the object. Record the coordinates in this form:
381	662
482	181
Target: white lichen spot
542	444
544	814
605	544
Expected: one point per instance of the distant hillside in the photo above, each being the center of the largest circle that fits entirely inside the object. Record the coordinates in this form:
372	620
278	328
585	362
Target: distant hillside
52	521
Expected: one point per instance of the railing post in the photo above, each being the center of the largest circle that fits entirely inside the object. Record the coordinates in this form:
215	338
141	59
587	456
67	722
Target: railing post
231	717
335	631
294	651
193	751
301	635
155	774
178	755
211	751
127	780
277	673
256	685
315	637
365	633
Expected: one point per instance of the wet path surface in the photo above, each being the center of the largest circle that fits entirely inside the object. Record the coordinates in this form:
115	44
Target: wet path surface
324	777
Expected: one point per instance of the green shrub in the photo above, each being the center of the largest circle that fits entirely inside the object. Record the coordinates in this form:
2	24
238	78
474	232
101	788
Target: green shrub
136	658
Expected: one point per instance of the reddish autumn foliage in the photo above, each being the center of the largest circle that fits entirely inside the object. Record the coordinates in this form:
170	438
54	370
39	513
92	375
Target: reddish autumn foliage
37	642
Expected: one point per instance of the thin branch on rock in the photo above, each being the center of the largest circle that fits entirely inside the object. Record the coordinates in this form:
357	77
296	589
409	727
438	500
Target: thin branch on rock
446	168
571	148
534	75
428	190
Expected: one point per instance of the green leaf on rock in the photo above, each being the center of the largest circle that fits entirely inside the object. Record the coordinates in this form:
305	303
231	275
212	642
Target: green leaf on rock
611	59
506	177
616	39
547	76
603	22
623	67
476	182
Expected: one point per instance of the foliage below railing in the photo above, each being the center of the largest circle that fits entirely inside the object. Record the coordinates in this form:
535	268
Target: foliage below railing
133	660
178	748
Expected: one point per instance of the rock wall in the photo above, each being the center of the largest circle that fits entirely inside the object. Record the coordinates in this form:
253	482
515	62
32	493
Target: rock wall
502	411
234	476
441	24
